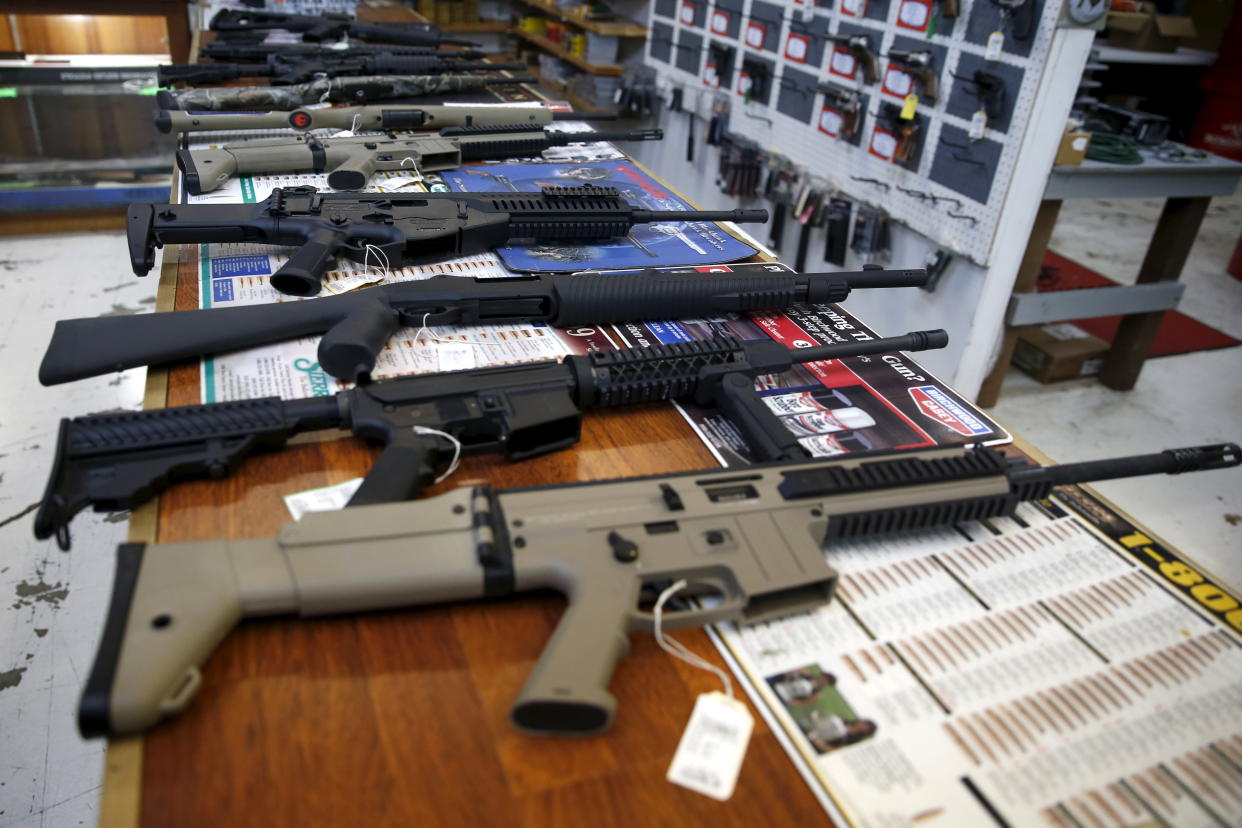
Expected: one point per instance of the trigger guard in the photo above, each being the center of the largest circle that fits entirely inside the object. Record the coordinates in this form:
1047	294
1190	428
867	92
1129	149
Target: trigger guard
727	608
440	316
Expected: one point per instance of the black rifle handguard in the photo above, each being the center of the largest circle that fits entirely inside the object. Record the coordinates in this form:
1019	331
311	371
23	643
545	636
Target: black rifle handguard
607	299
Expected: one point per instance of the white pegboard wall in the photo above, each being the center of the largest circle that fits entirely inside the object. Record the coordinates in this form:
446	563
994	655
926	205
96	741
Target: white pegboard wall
840	163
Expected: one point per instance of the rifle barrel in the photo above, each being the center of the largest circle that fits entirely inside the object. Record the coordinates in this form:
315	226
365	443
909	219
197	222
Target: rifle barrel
642	216
1171	461
913	341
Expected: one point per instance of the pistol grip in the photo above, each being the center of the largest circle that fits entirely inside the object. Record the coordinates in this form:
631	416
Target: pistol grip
870	72
567	693
302	275
404	468
348	349
354	172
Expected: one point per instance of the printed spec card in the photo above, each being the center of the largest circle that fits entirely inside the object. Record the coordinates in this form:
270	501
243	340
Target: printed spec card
1020	672
850	406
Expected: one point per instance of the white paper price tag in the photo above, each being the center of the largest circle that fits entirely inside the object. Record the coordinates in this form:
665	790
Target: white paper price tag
744	84
856	8
353	281
687	14
710	753
830	122
843	63
720	22
796	48
978	125
884	144
755	34
914	14
710	76
387	185
897	82
455	357
996	42
326	499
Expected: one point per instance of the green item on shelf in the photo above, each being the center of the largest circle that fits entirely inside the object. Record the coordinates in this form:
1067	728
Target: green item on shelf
1113	149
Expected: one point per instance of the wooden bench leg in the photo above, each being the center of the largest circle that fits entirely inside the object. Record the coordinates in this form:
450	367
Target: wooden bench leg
1166	256
1028	275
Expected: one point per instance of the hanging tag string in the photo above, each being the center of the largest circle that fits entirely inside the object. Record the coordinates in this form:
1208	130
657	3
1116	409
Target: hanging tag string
456	448
678	650
324	97
423	329
381	264
381	260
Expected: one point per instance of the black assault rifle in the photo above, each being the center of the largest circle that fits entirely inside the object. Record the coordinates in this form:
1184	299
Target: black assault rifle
119	461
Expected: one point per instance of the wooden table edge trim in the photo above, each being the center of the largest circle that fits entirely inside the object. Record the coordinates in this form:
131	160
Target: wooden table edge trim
120	798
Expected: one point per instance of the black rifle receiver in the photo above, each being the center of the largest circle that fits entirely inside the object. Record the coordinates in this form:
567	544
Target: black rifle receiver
118	461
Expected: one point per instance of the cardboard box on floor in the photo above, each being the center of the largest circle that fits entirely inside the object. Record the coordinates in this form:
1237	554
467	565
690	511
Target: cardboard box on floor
1059	352
1146	31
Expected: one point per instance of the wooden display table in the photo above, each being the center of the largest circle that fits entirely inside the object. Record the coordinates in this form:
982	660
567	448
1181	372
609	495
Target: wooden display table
401	718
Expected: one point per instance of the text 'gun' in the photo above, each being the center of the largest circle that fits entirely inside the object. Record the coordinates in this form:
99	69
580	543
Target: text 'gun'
759	543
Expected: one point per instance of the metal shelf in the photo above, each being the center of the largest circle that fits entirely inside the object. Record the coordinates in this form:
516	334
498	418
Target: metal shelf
612	28
1182	57
555	48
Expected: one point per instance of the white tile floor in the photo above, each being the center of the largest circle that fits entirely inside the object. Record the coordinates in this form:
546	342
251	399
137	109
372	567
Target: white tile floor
1179	400
54	601
49	626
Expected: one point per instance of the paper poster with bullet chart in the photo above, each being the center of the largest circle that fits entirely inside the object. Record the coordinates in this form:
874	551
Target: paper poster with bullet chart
665	244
